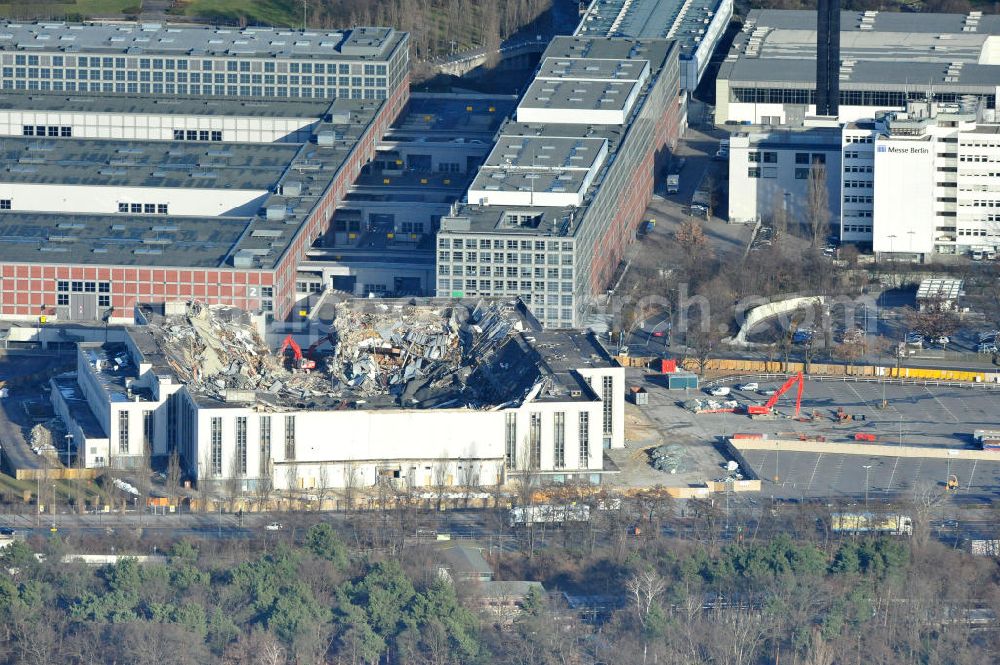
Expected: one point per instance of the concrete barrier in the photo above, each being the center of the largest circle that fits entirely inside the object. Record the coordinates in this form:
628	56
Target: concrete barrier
863	449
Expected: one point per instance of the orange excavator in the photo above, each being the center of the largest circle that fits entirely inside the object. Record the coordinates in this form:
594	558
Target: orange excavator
300	362
756	410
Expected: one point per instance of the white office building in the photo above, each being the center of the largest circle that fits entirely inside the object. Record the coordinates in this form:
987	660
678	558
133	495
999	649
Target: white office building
769	168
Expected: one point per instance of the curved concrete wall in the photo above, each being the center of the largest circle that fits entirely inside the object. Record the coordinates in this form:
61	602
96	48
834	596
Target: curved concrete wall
764	312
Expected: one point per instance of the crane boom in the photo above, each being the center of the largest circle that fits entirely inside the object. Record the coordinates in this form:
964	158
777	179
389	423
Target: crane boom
785	387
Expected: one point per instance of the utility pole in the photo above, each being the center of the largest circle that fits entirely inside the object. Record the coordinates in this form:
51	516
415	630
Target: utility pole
866	468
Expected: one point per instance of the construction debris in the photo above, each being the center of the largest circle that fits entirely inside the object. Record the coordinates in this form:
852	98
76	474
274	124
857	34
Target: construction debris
669	458
380	354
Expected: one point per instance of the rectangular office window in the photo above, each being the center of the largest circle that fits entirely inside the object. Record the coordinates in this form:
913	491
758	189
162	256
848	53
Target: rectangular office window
584	439
123	432
161	208
559	439
510	440
535	441
5	204
265	444
122	207
216	450
607	396
148	429
289	437
66	132
241	445
216	135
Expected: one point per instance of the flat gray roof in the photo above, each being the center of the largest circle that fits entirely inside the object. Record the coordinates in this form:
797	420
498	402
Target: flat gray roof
591	69
646	19
583	95
167	240
514	151
170	40
27	237
879	50
207	106
168	164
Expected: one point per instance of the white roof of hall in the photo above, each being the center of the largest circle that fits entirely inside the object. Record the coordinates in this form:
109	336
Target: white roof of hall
875	48
170	40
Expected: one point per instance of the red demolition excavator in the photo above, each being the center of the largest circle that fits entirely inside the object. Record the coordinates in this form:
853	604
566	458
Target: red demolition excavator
757	410
299	362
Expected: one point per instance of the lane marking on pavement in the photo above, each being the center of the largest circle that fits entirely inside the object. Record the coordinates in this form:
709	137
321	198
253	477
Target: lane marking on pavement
864	401
941	404
819	458
892	475
968	488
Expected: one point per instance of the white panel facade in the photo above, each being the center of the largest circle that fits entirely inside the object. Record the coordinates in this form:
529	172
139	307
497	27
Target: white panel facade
153	127
88	199
904	216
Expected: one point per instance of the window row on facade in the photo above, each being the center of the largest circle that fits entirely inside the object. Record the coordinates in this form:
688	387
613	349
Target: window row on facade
487	243
217	90
43	61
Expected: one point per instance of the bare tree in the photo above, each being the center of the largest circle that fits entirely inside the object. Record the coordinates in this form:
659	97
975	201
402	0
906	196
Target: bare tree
469	479
174	474
779	215
935	318
818	204
352	481
292	481
645	589
322	484
442	479
234	483
264	486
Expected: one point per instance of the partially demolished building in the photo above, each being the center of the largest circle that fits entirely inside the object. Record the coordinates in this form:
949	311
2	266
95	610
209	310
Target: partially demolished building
433	394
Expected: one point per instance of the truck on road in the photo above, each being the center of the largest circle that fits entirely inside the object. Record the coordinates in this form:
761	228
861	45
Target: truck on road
894	525
673	183
549	514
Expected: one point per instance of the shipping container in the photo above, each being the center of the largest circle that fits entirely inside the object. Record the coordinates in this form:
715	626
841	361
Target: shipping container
682	381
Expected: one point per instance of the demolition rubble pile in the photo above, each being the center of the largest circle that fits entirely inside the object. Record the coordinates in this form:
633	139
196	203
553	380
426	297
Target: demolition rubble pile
418	355
382	354
216	351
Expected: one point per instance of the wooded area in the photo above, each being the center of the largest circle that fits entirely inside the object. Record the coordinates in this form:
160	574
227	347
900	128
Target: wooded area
721	588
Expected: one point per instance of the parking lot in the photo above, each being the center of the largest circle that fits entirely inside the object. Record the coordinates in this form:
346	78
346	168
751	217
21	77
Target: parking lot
791	475
915	415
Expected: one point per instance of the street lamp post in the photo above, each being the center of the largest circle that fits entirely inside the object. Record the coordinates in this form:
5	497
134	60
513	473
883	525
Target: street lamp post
69	443
866	467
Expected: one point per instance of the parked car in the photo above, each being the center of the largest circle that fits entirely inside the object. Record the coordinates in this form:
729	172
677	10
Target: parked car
719	391
767	392
275	526
802	336
943	340
988	347
914	339
753	385
990	336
